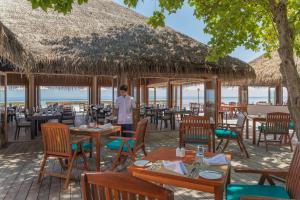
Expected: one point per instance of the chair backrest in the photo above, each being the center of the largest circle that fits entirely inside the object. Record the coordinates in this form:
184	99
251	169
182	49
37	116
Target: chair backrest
195	129
241	119
277	122
56	139
293	177
113	186
140	132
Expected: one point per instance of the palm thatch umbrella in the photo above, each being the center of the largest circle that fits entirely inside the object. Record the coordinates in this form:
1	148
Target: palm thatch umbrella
267	69
103	38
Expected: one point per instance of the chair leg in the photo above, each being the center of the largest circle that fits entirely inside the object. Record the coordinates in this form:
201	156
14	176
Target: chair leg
244	148
63	166
259	138
266	142
70	167
144	150
85	161
219	145
290	142
42	169
116	162
16	133
19	129
225	146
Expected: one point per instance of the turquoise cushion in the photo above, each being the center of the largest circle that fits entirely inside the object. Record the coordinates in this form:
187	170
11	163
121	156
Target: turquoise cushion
292	125
86	147
224	133
115	145
234	192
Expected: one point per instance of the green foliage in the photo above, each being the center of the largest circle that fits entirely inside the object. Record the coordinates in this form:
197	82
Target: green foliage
233	23
61	6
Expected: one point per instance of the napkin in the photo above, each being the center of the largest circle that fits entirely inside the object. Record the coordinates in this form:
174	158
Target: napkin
106	126
218	159
175	166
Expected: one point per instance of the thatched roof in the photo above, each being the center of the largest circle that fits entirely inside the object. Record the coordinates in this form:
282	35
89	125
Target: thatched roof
267	69
103	38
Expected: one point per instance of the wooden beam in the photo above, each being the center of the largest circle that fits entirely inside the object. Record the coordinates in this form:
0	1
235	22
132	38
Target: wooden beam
31	92
180	96
279	94
243	95
94	90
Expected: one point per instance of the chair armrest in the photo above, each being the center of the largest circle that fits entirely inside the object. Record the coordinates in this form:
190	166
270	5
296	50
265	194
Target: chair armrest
274	172
122	138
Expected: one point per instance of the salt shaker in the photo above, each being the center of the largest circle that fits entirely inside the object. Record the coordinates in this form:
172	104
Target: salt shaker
178	152
182	152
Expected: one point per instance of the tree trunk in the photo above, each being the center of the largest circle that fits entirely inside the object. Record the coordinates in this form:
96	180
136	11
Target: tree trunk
288	67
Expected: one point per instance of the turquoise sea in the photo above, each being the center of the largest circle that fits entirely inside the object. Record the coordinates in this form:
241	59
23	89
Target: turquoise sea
55	94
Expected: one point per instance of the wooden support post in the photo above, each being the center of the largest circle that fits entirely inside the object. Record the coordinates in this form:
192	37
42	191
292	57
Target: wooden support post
155	97
113	94
94	90
99	94
138	104
169	95
217	100
5	111
243	95
37	96
279	95
146	92
180	97
27	96
175	96
31	92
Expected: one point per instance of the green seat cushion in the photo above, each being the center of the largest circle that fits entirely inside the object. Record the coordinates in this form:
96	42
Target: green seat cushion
234	192
115	145
86	147
224	133
292	125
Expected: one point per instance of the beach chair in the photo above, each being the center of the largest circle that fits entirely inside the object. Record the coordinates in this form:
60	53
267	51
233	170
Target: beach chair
264	192
277	124
129	146
58	143
113	186
232	132
195	130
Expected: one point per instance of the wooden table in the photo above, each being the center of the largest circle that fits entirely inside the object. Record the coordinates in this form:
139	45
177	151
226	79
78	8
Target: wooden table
200	184
96	134
254	118
36	117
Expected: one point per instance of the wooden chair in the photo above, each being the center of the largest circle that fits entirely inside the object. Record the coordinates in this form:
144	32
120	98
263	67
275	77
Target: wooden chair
277	124
261	191
113	186
21	123
232	132
129	146
58	144
195	129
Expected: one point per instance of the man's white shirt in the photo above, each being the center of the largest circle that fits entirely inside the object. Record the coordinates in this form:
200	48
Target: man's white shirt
125	106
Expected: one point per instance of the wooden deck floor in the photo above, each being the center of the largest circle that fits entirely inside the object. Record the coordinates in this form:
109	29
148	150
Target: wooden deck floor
19	165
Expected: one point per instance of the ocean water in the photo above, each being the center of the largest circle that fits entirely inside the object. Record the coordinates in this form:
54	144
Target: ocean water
54	94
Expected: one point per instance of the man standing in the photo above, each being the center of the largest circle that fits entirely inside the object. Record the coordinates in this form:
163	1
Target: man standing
125	105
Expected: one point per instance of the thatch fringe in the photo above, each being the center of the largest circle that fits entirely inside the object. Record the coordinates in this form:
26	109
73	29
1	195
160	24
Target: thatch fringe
103	38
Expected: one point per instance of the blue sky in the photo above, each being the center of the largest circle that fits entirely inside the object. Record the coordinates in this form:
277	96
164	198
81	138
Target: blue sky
184	21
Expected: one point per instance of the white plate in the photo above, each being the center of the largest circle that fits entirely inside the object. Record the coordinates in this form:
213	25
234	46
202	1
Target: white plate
207	174
142	163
